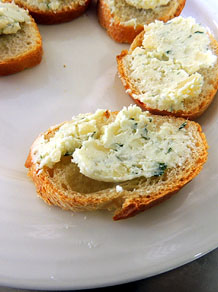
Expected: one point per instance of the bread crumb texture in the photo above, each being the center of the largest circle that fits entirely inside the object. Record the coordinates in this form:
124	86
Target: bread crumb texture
12	46
169	66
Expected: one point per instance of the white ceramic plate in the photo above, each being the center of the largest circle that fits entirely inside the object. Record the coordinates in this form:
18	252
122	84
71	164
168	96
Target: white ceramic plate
45	247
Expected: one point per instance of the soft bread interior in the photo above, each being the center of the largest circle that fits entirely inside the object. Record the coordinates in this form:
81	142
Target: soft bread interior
15	45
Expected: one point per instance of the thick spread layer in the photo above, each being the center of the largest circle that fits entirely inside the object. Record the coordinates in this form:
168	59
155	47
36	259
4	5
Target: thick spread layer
163	84
115	148
147	4
183	40
166	67
134	145
11	16
71	135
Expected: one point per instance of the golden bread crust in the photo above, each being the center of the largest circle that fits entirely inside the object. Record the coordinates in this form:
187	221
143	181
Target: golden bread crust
122	33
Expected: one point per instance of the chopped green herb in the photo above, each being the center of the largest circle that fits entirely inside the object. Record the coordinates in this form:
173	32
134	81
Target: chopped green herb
134	127
67	154
117	146
144	135
169	150
189	36
182	125
93	134
135	169
135	172
198	31
41	157
161	169
168	52
119	158
145	130
146	138
150	120
132	119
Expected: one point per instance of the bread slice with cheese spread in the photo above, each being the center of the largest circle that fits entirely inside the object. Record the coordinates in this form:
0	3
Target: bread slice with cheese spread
171	68
20	40
54	11
124	19
125	162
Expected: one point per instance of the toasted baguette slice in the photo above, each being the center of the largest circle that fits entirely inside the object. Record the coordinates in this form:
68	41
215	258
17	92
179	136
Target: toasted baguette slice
192	108
124	22
67	11
21	50
63	185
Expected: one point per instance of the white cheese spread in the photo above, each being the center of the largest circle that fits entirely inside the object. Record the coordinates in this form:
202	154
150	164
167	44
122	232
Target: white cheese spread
45	4
119	189
166	67
182	40
147	4
163	84
48	151
117	148
53	5
11	16
133	145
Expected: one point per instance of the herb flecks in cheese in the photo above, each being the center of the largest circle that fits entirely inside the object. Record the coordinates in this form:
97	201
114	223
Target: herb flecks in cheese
147	4
11	16
166	68
53	5
71	135
182	40
133	145
163	83
116	148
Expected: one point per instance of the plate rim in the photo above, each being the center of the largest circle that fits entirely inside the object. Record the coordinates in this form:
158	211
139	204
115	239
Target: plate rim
53	285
